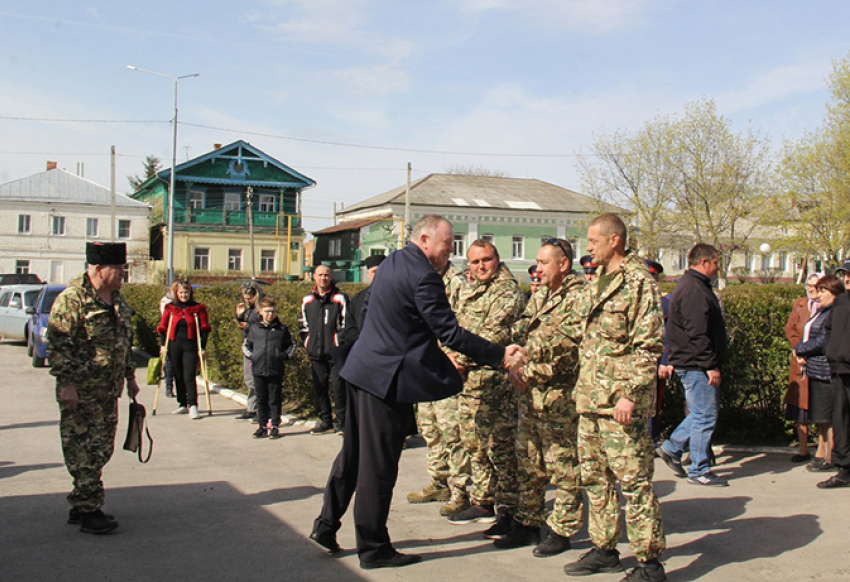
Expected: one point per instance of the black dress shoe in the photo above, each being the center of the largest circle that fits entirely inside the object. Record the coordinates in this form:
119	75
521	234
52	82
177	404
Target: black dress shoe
834	482
327	540
396	561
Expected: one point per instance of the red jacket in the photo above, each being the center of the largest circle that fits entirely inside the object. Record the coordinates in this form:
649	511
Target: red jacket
188	313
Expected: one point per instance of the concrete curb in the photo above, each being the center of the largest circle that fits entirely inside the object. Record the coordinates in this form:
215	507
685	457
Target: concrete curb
242	400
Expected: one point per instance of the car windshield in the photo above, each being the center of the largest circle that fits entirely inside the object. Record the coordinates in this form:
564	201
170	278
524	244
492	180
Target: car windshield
47	304
30	297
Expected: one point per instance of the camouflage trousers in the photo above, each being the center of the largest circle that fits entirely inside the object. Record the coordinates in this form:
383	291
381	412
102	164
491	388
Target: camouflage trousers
611	452
88	440
546	451
438	425
488	424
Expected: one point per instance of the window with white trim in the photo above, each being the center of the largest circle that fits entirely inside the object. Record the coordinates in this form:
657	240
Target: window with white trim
518	247
197	199
22	267
24	224
124	229
489	238
234	259
459	246
92	227
266	203
232	201
267	260
58	226
335	247
202	259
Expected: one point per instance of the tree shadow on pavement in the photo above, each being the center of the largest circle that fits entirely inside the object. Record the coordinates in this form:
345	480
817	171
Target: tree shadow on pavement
729	538
9	469
188	532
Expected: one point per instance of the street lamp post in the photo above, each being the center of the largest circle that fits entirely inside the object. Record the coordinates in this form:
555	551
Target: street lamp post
170	265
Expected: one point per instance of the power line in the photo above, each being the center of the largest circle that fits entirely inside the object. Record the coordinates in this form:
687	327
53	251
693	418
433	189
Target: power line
374	147
58	120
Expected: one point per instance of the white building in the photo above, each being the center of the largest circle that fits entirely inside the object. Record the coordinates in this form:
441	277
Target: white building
46	220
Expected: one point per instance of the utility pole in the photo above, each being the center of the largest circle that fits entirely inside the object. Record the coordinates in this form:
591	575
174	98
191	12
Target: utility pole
112	187
249	194
407	227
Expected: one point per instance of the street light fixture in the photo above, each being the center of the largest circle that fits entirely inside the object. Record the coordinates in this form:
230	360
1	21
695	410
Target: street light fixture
170	264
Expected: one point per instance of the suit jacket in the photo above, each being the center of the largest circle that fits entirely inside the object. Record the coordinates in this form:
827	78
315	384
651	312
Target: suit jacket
398	350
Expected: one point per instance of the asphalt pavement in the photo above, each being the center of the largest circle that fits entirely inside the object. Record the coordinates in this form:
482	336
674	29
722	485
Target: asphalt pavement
215	504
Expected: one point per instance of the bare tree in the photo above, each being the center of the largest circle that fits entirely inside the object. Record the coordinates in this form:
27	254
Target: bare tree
470	170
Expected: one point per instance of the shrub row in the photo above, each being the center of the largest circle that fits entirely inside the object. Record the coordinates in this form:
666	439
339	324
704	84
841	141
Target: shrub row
754	375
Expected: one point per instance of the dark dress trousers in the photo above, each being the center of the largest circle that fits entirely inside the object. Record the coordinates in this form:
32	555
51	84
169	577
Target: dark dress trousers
395	362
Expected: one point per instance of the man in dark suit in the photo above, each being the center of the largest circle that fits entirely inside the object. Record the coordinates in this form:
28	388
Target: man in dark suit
397	361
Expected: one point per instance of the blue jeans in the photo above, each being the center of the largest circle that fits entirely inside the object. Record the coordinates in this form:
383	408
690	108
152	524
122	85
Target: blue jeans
695	431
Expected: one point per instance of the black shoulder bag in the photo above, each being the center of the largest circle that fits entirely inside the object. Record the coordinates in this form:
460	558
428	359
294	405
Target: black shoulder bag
135	427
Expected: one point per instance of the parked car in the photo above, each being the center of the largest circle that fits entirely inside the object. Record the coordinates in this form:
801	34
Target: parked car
19	279
14	301
37	329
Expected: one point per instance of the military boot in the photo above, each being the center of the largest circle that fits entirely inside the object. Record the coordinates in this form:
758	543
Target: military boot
595	561
436	491
651	571
458	502
96	522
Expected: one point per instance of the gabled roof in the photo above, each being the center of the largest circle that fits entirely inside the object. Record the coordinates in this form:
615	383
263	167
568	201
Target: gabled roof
241	163
350	225
59	185
460	191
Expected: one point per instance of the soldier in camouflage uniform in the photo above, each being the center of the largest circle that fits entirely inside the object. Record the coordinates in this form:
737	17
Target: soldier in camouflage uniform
90	337
615	394
487	405
550	329
438	425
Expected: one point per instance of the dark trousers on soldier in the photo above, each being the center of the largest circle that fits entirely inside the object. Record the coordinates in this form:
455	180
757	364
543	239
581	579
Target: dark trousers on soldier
184	358
269	391
326	377
375	430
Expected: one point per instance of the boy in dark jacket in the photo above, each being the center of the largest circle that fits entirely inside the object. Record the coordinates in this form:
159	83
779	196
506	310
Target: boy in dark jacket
267	344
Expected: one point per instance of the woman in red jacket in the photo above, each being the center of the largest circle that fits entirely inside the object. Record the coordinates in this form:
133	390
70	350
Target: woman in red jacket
181	321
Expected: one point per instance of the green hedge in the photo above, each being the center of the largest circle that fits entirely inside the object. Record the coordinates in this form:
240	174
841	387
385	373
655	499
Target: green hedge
224	353
755	373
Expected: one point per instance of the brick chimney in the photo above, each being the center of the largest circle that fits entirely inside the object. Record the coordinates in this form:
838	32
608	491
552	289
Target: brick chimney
216	146
51	166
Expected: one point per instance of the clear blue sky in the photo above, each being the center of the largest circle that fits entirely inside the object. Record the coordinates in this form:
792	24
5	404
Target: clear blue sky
459	81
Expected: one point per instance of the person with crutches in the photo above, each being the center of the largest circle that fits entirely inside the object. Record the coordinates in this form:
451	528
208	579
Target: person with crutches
187	339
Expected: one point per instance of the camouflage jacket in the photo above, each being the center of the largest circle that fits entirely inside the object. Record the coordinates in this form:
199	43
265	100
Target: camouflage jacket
550	329
90	341
490	309
623	339
455	282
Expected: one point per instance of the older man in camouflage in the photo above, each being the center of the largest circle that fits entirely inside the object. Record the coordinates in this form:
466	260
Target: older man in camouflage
550	329
90	338
615	394
438	425
487	405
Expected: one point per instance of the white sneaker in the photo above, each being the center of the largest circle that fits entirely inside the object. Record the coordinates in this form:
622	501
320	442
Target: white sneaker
180	410
193	412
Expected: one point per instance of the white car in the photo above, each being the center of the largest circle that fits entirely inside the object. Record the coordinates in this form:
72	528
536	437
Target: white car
14	301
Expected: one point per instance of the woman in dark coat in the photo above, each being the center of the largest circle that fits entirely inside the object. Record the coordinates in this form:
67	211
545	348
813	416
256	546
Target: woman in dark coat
811	355
797	396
